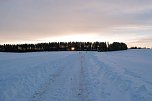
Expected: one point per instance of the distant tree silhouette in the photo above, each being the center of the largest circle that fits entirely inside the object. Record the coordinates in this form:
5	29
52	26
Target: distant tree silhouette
115	46
102	46
138	47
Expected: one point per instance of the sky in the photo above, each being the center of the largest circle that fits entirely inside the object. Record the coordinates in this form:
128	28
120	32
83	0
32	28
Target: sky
34	21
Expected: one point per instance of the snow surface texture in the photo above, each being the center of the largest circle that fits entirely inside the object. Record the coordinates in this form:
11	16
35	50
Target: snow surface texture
76	76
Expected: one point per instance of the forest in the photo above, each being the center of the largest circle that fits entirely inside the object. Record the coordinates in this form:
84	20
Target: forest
64	46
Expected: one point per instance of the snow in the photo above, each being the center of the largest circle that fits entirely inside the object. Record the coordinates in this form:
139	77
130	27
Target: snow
76	76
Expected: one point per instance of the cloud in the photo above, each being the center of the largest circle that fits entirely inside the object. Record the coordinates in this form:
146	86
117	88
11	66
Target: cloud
35	19
142	42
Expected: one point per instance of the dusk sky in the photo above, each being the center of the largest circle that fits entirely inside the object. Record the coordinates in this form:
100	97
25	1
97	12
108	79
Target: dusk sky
33	21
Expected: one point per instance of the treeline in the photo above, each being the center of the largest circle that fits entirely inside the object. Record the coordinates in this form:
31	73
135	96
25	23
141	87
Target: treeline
138	47
64	46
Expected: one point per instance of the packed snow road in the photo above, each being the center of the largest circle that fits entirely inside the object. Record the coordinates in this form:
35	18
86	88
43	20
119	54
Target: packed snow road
76	76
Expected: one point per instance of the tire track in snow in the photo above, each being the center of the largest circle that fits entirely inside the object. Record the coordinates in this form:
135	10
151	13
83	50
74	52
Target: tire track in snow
70	74
79	89
126	83
37	96
45	87
94	90
81	78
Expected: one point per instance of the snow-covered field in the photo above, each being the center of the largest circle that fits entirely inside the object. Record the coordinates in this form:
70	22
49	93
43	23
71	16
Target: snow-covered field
76	76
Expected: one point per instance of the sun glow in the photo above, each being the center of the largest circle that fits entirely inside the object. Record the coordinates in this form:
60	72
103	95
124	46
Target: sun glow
72	48
73	37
